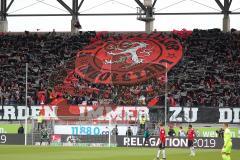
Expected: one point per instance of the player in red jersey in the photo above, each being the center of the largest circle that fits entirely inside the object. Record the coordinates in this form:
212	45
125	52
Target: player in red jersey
162	136
191	136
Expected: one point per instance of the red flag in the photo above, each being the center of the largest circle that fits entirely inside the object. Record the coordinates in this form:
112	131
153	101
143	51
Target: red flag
153	102
42	111
95	106
172	102
59	101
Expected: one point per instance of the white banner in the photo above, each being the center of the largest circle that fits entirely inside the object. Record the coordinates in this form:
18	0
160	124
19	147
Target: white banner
119	114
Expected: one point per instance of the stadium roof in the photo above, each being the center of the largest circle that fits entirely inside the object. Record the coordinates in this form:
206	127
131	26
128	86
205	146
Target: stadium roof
119	7
88	7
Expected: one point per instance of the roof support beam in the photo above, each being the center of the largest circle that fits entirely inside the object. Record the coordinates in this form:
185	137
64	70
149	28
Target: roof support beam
75	25
3	16
154	3
226	12
122	14
227	4
141	5
65	6
3	10
75	7
220	4
80	5
9	5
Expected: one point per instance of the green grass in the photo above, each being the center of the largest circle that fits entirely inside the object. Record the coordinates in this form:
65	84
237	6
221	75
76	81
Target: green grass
12	128
78	153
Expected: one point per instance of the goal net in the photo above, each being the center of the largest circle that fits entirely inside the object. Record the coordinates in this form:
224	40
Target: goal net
71	131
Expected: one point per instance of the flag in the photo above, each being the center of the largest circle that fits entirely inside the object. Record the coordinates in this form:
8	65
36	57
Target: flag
172	102
153	102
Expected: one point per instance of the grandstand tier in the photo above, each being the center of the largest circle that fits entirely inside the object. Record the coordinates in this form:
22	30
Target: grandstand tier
207	74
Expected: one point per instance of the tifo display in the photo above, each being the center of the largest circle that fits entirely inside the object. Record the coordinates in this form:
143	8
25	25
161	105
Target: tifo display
158	91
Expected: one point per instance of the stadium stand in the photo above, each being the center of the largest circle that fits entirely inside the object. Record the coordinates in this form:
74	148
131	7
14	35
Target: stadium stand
207	75
209	71
43	52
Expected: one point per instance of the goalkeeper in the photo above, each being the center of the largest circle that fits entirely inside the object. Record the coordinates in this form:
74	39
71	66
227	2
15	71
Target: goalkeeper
226	151
44	135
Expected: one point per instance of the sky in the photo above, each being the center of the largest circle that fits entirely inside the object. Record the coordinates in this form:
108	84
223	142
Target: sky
118	23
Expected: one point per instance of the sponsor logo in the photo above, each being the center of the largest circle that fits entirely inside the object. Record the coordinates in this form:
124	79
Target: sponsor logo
94	130
56	138
12	139
170	142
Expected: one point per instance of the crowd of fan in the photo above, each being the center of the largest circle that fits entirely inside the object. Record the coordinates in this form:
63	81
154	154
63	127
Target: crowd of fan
207	75
43	52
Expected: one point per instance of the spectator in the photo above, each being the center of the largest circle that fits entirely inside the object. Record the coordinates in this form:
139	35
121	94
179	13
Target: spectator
220	132
21	129
197	133
129	132
171	132
40	120
181	132
115	131
142	123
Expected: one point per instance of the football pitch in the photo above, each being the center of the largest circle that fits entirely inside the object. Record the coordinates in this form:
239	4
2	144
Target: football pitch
79	153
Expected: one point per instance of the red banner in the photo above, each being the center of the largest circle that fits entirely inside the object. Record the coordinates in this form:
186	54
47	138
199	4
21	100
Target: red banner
129	59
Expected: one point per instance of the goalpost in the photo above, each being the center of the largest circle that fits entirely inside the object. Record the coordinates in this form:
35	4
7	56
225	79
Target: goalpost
166	96
26	104
72	131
